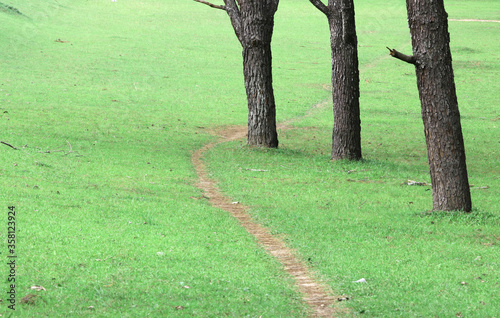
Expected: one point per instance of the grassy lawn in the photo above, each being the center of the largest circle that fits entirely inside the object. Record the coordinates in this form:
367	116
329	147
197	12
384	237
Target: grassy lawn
106	101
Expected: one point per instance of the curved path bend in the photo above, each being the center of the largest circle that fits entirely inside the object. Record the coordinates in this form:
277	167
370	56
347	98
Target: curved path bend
315	294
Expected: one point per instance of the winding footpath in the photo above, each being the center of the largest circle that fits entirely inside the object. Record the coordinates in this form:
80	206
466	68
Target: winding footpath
315	294
474	20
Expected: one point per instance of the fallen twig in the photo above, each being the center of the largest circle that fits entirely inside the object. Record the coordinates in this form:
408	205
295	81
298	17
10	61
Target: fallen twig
3	142
70	149
58	149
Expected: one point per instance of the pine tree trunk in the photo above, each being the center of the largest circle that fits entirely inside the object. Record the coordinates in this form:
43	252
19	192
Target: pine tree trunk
257	23
253	24
345	81
257	70
443	132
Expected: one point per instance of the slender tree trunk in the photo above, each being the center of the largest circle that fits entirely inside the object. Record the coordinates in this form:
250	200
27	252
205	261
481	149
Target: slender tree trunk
346	135
253	23
428	24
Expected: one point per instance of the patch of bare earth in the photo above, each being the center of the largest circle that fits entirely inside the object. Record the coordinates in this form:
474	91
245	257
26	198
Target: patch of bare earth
474	20
316	294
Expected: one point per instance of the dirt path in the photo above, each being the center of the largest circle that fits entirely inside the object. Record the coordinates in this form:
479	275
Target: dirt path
316	294
474	20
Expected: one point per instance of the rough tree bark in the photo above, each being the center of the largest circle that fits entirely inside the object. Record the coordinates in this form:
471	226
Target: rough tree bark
345	78
428	24
253	23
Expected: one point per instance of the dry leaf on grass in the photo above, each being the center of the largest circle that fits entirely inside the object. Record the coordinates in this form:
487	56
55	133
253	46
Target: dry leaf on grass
29	299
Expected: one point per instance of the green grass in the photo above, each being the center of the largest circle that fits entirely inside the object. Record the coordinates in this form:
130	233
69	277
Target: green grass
359	220
106	102
104	116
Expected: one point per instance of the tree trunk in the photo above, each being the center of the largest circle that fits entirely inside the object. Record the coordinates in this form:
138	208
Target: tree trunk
259	87
253	23
345	82
428	24
257	19
345	78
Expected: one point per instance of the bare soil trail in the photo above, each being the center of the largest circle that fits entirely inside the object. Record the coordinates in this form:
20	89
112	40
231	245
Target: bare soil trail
316	295
474	20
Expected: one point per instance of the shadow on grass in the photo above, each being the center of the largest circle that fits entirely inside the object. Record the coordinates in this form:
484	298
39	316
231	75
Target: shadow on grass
476	217
298	154
9	9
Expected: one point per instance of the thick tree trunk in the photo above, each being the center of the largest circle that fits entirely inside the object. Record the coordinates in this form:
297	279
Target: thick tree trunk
345	82
257	19
443	132
257	71
254	26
